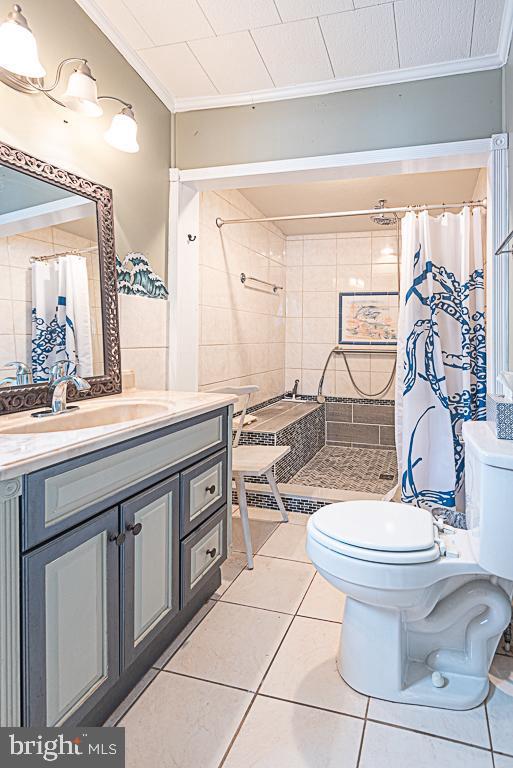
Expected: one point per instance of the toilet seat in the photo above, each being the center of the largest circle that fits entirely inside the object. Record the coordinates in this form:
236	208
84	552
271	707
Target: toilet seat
377	531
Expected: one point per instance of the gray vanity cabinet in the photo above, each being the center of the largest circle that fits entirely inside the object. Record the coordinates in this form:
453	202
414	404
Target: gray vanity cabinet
119	550
151	569
71	603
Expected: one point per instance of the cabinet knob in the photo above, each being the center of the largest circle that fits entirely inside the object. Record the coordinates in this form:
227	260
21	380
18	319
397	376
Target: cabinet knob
212	552
210	489
119	538
135	528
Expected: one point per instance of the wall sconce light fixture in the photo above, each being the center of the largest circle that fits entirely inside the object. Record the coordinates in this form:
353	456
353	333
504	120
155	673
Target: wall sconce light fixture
21	69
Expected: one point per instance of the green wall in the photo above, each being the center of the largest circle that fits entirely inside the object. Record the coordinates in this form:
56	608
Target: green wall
140	182
420	112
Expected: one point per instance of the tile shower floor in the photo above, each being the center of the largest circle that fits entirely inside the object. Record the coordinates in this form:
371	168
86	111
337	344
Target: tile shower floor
371	470
253	682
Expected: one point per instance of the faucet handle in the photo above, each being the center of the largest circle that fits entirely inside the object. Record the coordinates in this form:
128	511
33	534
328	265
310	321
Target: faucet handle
19	365
23	372
57	370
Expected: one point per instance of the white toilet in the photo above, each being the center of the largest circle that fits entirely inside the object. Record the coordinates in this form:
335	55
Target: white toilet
426	604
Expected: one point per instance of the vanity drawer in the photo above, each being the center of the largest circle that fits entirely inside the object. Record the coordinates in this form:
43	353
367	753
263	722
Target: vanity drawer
60	497
201	554
202	491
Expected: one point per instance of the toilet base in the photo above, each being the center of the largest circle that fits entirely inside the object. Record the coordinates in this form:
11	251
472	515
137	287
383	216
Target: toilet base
384	655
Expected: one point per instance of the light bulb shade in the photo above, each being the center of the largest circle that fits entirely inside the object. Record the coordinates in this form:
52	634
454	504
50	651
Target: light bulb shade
18	47
81	94
122	133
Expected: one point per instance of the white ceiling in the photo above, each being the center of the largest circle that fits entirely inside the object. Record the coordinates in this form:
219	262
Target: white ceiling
360	194
206	53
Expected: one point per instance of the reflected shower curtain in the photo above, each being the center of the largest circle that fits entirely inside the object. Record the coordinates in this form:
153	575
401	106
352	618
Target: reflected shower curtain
61	321
441	355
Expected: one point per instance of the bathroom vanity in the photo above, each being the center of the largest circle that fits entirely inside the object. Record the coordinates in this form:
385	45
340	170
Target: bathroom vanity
111	538
114	511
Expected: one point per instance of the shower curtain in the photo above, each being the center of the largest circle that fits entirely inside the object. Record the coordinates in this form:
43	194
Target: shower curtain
441	355
61	321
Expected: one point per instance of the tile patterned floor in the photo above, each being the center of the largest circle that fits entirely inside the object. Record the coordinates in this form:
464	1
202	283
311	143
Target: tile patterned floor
351	469
253	682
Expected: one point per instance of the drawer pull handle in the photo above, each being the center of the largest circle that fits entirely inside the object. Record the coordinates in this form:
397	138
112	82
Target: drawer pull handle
135	528
212	552
119	538
210	489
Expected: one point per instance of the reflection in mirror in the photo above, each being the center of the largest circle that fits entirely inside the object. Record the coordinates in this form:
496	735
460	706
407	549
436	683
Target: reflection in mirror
50	297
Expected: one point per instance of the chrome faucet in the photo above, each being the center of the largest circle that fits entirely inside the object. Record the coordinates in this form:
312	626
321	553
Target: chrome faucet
294	389
59	397
60	391
23	374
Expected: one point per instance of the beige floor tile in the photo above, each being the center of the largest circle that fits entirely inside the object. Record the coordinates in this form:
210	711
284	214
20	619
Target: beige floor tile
182	722
184	634
287	541
305	669
277	733
260	532
469	726
500	704
278	585
385	746
230	569
323	601
234	645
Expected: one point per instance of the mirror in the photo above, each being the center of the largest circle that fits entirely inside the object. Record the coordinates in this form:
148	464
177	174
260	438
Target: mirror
58	299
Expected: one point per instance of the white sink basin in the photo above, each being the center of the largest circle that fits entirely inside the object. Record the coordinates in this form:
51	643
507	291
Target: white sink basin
85	418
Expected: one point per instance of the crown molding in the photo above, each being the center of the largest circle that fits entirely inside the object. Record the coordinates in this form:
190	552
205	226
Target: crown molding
393	77
96	14
506	32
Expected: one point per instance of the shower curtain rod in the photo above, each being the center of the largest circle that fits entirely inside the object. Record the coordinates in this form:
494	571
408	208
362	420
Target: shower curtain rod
340	214
69	252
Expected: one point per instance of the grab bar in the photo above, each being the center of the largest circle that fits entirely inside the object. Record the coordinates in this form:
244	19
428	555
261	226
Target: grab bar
244	278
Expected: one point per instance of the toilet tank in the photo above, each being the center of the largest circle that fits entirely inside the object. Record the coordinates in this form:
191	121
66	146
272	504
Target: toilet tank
489	497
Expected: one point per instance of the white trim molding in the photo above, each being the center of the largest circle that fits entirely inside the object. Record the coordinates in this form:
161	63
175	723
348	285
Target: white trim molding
450	155
183	280
10	674
498	348
338	84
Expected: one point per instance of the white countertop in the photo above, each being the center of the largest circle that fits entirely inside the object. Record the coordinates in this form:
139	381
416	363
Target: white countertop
491	450
24	453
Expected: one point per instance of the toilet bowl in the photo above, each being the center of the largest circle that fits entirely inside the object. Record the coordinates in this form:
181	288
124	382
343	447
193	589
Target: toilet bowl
423	614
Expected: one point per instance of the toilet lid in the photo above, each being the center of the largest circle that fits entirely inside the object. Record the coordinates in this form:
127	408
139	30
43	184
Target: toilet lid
377	525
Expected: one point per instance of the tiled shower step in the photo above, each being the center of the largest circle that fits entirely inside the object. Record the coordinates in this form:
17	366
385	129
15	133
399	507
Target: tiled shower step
299	498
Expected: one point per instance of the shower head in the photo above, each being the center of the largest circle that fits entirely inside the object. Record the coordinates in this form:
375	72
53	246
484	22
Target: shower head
384	219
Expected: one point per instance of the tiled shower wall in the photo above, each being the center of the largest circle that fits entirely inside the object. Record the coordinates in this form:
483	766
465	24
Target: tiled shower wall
242	328
318	268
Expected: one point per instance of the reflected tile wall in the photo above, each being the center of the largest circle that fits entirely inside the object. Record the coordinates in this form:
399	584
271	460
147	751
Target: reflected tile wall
317	269
242	328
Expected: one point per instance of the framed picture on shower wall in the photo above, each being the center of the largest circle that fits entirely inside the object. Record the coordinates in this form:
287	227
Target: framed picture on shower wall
368	319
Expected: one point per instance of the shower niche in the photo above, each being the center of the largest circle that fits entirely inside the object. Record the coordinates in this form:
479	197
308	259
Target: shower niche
58	294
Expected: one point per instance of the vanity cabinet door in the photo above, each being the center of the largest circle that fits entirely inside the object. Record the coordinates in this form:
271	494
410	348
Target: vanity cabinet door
151	581
71	622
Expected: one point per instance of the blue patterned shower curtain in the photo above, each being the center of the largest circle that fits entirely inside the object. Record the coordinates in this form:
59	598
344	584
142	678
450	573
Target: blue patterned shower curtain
441	379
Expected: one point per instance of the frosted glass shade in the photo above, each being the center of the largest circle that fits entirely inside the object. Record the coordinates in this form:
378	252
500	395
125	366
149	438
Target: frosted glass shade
82	95
18	50
122	133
